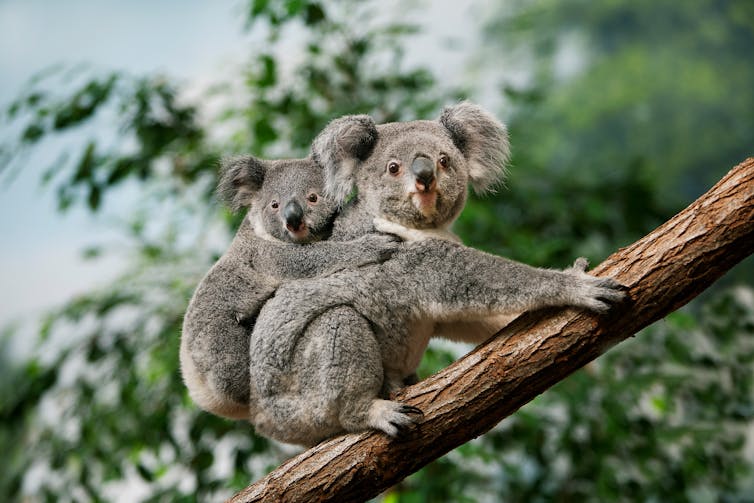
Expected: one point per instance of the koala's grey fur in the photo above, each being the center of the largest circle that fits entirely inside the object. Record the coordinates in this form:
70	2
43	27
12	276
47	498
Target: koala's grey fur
279	239
326	352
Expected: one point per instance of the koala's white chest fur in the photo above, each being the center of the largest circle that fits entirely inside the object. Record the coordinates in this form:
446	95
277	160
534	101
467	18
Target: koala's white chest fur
410	234
421	330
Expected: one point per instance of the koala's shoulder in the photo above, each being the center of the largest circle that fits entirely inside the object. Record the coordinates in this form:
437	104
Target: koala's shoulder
352	223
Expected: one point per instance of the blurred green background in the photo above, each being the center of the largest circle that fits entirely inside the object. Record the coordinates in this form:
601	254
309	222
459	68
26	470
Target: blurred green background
620	112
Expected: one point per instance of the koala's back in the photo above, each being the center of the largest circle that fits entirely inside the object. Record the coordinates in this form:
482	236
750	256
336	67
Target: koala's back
214	343
230	288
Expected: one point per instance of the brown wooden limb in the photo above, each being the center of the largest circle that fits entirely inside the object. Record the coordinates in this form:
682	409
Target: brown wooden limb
664	270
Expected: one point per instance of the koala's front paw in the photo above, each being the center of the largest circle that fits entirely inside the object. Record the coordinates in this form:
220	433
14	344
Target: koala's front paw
377	247
394	418
591	292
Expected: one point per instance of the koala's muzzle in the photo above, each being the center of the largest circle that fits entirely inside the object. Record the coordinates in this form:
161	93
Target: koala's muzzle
293	214
424	170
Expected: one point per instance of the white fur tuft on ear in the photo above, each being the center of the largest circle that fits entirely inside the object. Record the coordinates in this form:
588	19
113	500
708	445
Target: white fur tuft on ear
339	149
483	141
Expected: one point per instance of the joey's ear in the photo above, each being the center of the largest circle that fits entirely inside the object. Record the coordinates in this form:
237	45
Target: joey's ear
483	141
339	148
240	178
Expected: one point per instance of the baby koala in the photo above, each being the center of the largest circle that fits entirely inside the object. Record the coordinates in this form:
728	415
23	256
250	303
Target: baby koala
281	238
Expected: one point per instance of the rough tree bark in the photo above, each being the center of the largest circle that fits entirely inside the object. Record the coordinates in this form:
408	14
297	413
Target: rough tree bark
664	270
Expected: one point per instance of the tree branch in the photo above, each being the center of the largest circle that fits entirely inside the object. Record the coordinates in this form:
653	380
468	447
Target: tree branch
664	270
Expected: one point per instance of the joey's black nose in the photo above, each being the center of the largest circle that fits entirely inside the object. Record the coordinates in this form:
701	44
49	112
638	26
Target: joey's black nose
293	214
424	171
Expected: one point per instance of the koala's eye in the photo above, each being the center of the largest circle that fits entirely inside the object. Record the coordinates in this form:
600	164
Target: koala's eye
393	167
274	205
443	161
312	198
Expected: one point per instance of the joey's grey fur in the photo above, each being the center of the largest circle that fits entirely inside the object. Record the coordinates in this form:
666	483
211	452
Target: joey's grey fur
327	352
279	239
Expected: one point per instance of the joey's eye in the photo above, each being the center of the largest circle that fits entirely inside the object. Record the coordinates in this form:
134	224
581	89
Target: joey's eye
312	198
443	161
274	205
393	167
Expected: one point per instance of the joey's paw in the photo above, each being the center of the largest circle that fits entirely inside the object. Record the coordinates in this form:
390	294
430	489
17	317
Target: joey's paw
393	418
378	247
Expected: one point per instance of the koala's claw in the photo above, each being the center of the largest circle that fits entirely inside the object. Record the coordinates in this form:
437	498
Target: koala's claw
410	409
601	298
393	418
402	430
592	292
378	247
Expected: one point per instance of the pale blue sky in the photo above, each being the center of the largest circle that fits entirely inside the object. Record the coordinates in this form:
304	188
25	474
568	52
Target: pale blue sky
39	257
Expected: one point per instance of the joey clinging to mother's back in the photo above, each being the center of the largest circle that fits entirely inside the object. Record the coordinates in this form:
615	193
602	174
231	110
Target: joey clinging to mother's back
280	238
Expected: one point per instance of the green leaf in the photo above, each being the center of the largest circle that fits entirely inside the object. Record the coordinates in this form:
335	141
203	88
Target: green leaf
264	132
314	14
32	133
91	252
95	197
258	7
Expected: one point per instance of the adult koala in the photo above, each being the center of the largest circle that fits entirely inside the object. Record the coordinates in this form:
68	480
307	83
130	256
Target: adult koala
326	352
280	238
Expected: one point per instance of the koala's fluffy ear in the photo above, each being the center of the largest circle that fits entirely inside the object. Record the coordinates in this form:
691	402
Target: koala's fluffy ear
240	178
483	141
339	148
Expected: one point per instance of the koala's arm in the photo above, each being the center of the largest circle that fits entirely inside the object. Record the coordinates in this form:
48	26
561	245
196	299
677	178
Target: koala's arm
438	281
473	330
292	261
470	330
454	282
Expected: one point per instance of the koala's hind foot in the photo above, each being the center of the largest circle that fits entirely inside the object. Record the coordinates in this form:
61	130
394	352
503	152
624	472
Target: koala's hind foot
393	418
591	292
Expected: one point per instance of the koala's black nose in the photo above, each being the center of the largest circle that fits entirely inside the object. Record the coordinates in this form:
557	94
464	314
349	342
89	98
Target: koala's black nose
424	171
293	214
